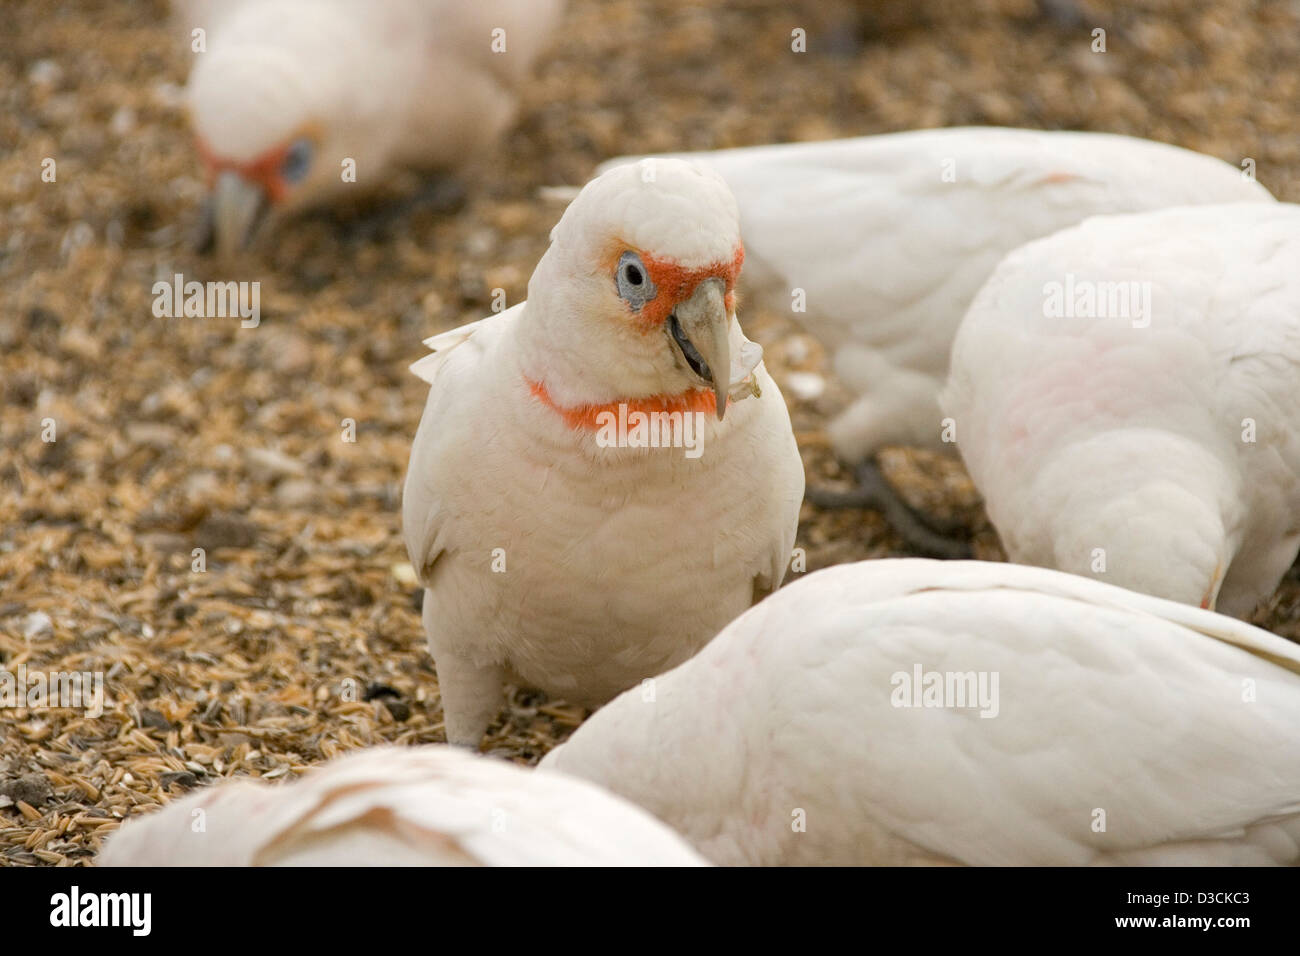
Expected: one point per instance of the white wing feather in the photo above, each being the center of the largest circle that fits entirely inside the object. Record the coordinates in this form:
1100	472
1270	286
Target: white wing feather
442	343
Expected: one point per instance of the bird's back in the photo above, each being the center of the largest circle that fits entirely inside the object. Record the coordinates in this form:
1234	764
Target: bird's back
1133	345
1072	722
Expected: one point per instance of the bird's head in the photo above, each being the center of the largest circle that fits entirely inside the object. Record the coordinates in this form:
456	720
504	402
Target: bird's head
262	139
635	299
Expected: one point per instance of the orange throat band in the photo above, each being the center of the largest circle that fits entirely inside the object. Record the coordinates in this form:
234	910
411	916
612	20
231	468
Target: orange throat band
587	417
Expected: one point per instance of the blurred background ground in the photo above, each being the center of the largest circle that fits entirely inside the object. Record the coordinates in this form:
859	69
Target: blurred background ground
300	640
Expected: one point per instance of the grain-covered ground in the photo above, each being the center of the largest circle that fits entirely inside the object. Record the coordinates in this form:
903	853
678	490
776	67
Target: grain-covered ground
300	639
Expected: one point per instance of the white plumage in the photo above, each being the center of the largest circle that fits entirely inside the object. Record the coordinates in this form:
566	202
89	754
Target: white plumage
1159	453
1127	729
548	558
889	238
396	806
422	84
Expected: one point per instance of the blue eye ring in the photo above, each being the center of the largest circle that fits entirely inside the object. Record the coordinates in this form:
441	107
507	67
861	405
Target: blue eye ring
297	161
633	280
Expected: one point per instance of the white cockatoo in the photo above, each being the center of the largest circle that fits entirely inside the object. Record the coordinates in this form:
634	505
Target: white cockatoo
878	244
297	102
400	806
1126	396
908	711
558	550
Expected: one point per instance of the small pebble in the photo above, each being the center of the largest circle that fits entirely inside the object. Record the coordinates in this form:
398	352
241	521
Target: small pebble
37	626
44	73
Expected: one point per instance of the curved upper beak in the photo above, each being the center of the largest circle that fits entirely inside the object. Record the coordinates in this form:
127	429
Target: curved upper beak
703	322
233	211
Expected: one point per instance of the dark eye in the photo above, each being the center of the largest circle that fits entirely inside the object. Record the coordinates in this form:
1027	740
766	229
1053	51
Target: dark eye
634	285
297	161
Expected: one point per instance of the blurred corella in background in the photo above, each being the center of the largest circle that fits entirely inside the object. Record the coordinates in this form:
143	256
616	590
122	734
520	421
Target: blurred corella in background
295	103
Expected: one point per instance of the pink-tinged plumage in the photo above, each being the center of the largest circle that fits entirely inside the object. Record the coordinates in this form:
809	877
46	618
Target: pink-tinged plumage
1157	451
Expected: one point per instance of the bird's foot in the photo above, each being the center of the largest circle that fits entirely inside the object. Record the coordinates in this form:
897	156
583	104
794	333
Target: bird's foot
440	195
921	533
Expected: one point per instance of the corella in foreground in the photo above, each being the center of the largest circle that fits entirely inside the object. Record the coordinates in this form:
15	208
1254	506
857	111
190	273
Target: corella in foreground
396	806
911	711
1126	396
297	103
878	244
604	475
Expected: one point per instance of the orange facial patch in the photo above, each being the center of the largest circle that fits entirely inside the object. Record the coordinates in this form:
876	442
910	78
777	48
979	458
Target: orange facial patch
675	282
586	417
264	171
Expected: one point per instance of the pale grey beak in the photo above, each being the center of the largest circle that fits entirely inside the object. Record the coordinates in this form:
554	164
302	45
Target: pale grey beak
701	328
234	209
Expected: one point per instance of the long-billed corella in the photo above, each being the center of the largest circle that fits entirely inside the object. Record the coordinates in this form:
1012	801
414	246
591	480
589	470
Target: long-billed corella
296	103
910	711
399	806
878	244
1126	396
605	474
